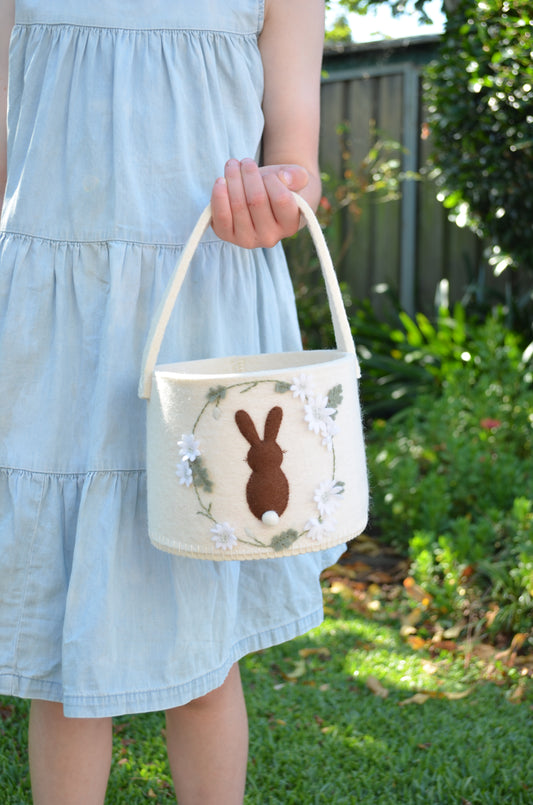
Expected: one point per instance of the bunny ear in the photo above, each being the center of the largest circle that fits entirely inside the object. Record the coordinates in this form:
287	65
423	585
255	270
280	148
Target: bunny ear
273	423
247	427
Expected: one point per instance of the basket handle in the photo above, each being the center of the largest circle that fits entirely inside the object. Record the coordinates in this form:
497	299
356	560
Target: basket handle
341	326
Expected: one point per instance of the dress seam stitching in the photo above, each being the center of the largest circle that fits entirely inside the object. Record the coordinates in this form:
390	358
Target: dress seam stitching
160	29
102	241
82	474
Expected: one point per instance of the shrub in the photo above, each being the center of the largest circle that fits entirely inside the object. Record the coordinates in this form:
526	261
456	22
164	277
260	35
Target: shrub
403	357
451	473
480	98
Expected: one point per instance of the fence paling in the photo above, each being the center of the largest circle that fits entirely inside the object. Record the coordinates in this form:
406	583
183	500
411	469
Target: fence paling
408	244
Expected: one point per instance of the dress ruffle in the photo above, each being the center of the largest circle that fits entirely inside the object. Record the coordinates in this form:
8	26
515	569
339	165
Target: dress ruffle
73	323
106	623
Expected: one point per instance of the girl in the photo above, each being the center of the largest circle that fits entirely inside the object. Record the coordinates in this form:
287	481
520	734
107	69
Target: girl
121	114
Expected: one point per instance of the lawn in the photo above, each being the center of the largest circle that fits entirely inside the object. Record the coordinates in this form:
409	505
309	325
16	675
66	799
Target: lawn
352	712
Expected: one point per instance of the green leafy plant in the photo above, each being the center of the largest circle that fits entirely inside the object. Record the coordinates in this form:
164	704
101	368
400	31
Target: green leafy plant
510	572
340	32
403	357
450	475
480	97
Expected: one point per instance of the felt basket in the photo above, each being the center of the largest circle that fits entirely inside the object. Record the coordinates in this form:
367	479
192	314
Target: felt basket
254	456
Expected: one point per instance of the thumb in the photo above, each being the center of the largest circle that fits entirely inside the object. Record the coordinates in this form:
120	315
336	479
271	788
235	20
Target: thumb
294	176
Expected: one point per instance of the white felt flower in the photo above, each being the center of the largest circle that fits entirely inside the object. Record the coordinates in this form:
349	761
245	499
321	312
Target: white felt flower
317	414
327	497
184	473
329	430
302	387
223	536
189	447
318	529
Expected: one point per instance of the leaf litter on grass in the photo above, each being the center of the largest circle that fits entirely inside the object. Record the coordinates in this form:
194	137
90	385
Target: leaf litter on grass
373	580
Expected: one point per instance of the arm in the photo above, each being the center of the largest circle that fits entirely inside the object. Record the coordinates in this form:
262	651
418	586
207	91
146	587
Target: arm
291	46
7	18
252	206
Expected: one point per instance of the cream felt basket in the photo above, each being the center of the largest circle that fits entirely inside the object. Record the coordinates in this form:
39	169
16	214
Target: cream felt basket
254	456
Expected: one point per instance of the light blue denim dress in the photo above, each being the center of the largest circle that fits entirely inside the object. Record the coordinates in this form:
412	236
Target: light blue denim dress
122	114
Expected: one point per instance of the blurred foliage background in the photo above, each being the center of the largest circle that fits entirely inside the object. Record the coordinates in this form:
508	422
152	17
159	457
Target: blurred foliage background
449	396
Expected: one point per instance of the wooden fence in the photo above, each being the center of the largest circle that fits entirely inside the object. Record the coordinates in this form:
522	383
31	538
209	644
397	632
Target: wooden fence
407	244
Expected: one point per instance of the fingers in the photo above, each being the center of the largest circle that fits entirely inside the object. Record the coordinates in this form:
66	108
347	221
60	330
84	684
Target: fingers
222	216
231	218
239	194
253	207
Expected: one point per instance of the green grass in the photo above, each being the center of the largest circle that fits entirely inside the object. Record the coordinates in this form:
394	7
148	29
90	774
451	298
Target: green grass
318	734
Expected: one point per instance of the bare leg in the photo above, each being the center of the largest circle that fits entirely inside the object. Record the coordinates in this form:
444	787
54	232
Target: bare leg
70	758
207	742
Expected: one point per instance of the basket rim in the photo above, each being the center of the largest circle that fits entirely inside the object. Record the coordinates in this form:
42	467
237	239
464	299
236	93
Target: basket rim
191	370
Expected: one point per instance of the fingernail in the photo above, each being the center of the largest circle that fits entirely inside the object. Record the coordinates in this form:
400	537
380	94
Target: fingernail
285	177
220	180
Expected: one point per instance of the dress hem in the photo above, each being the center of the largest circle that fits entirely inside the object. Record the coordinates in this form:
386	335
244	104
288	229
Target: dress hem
119	704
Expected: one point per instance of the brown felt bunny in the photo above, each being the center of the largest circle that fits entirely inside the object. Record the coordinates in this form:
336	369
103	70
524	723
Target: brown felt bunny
267	491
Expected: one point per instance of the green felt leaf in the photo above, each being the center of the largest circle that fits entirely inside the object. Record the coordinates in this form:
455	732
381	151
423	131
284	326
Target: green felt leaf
335	396
284	540
216	393
200	475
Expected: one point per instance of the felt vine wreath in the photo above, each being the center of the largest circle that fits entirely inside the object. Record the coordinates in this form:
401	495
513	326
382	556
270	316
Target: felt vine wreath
319	412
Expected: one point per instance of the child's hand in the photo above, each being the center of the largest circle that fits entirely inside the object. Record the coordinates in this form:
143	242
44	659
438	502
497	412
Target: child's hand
253	207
